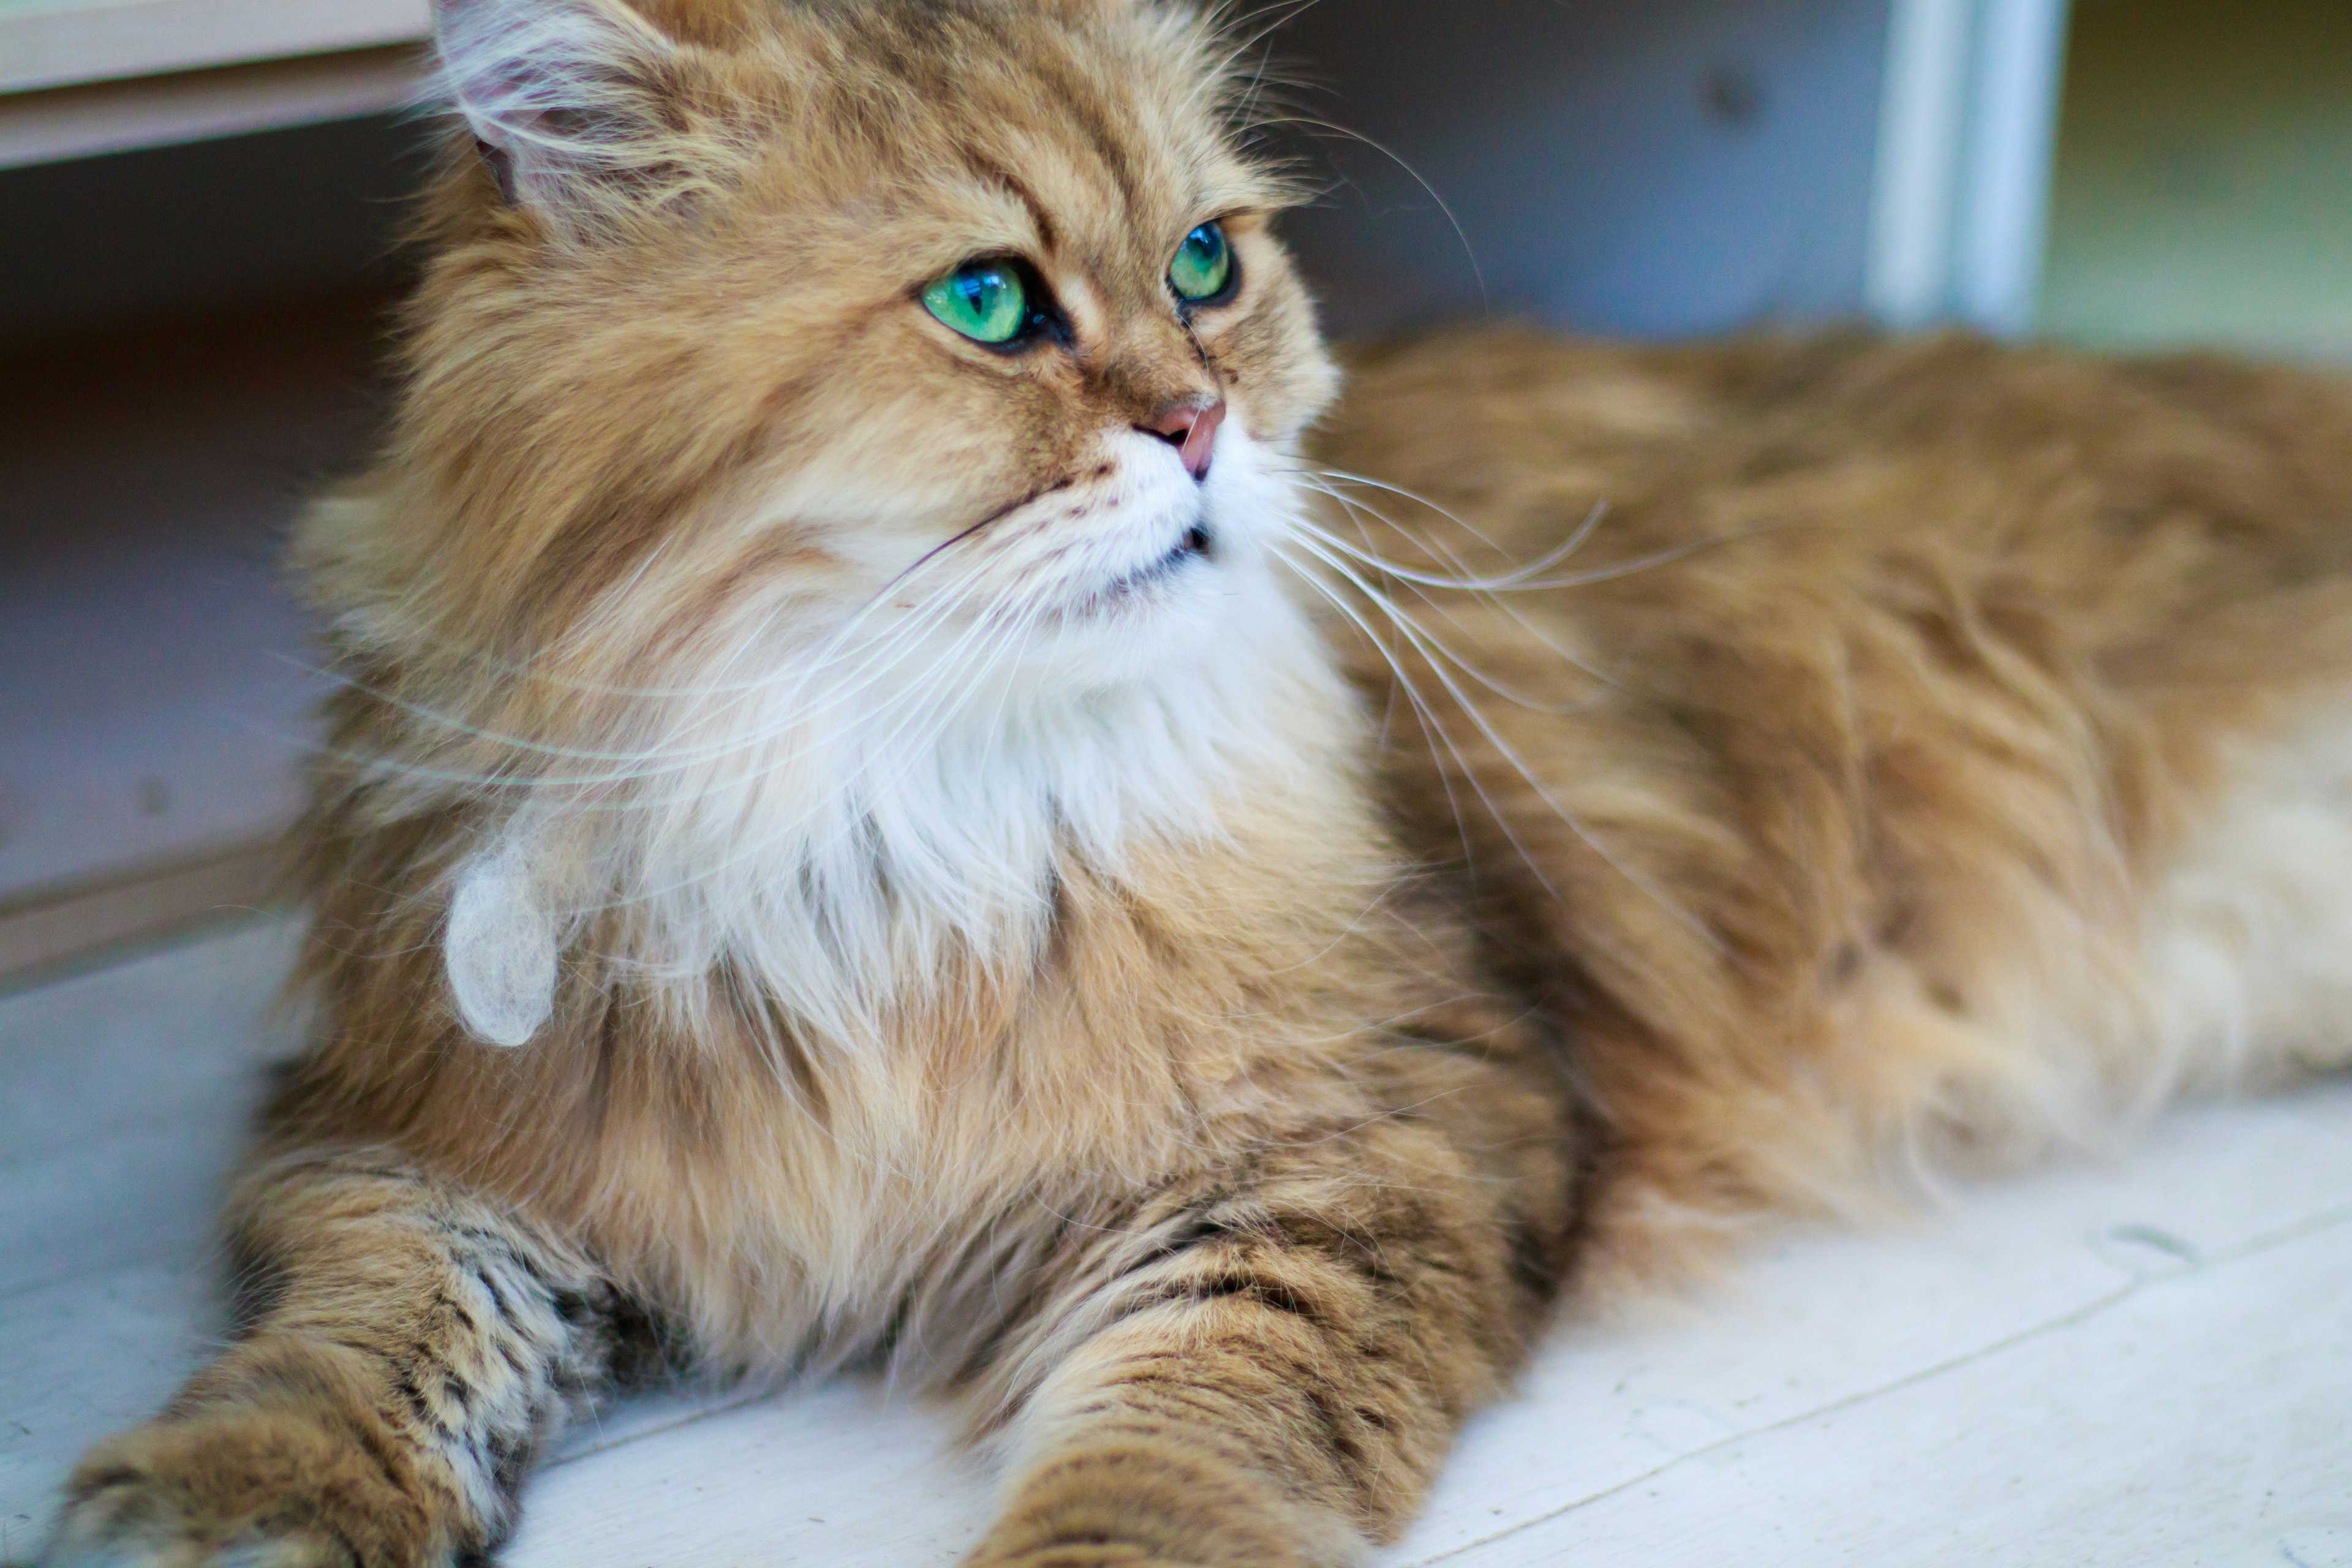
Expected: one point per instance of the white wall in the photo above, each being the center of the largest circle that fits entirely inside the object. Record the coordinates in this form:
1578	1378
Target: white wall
1966	136
1659	169
1682	167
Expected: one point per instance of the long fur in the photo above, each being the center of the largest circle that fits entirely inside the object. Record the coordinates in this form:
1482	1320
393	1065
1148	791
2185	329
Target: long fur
832	845
1934	757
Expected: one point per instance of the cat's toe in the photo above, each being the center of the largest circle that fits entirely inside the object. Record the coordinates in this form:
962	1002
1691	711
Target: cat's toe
120	1537
237	1489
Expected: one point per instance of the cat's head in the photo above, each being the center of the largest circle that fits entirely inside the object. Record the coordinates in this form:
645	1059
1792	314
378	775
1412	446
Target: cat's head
797	387
749	316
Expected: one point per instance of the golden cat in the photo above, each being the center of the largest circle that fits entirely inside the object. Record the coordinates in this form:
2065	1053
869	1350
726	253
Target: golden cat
884	806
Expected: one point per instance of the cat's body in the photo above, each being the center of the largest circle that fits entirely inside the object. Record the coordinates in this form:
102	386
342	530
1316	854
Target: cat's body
738	949
1936	753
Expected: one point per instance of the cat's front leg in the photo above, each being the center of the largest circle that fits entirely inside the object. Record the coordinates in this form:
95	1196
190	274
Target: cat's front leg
1270	1371
404	1350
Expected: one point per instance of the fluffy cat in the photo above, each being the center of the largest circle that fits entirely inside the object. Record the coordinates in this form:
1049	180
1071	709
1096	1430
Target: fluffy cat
846	834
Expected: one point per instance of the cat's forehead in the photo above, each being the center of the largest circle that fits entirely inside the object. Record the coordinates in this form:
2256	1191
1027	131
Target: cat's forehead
1098	126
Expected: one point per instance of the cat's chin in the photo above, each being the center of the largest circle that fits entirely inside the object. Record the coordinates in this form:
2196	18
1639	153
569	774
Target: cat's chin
1152	585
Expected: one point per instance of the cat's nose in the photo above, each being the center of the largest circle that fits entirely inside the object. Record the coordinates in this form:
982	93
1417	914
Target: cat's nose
1193	431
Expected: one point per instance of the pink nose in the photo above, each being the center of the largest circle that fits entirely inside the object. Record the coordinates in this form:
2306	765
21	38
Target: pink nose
1193	432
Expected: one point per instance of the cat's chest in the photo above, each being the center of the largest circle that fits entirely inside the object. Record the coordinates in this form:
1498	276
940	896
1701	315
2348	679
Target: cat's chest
804	1203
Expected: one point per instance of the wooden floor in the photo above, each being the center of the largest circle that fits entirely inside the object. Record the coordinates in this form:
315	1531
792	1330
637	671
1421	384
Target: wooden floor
2147	1365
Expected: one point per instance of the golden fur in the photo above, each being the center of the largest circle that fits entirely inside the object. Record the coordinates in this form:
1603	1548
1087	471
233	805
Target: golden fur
1874	812
803	871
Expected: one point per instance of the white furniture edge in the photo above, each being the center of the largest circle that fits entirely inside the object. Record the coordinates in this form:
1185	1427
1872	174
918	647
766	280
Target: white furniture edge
194	106
1967	130
63	43
44	930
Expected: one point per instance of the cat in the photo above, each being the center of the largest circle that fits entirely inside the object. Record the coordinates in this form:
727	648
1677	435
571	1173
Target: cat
889	801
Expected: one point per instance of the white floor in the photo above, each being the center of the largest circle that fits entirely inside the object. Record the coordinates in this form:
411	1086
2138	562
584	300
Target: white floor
2146	1365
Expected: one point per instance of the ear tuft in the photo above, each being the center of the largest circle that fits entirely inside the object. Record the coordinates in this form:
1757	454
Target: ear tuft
565	97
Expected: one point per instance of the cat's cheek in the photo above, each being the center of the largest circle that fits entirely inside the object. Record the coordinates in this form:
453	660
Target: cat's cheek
1276	363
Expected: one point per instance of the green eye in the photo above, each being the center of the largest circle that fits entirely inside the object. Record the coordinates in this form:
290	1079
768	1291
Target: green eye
1203	264
984	300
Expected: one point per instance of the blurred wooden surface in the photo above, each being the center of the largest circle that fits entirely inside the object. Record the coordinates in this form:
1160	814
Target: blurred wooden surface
85	77
56	43
2146	1363
115	115
59	924
159	680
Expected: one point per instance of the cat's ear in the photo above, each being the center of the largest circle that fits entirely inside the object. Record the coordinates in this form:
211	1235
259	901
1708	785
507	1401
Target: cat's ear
566	98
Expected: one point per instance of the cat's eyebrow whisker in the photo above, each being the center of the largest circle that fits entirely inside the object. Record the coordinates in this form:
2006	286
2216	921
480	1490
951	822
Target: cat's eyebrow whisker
1226	30
1486	306
1275	18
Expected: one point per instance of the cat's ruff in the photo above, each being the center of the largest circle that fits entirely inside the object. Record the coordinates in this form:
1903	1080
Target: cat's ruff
841	851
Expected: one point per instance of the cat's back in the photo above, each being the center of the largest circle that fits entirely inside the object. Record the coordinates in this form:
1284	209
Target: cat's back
2127	503
1510	420
1840	729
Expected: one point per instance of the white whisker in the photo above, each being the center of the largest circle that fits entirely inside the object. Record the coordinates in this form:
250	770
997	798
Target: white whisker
1434	658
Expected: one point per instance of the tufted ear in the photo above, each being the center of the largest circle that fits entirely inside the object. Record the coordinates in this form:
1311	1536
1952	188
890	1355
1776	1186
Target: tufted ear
566	97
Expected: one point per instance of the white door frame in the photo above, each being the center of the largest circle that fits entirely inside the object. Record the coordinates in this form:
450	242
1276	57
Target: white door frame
1967	130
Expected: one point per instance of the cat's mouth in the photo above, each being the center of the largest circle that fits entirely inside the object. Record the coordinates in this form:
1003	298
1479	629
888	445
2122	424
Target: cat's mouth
1198	546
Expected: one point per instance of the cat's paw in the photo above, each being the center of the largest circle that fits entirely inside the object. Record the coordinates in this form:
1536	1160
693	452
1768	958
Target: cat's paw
1138	1506
242	1488
98	1538
1085	1554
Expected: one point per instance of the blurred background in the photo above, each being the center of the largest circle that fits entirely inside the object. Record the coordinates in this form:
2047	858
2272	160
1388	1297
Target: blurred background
200	198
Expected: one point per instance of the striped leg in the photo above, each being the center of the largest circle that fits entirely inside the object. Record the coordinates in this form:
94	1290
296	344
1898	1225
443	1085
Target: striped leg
1273	1371
404	1353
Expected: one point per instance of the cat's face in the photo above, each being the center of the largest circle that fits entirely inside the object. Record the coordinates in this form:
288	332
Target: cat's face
770	330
